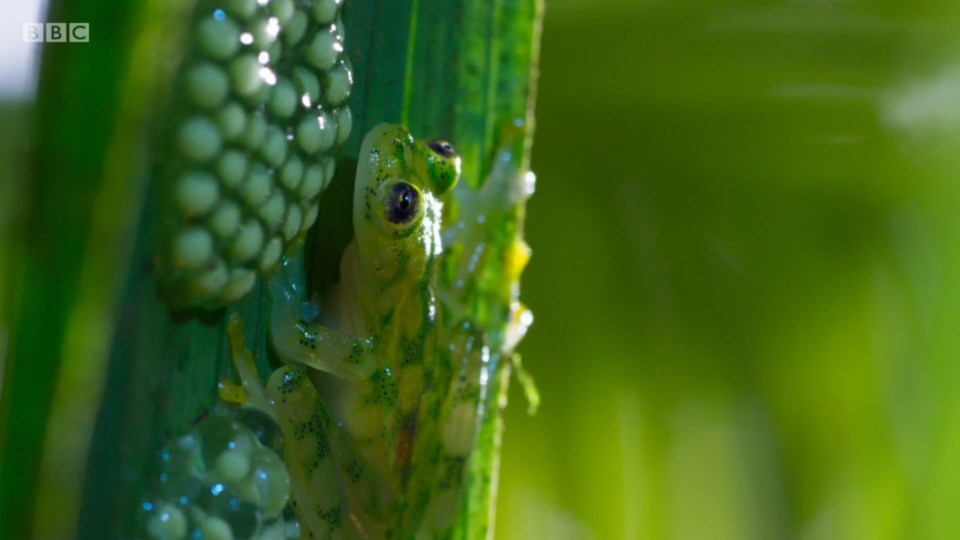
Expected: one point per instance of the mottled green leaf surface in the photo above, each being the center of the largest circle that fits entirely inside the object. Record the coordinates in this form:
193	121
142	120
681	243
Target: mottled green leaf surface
99	372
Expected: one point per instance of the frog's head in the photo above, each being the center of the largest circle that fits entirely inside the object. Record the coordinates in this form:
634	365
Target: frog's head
397	209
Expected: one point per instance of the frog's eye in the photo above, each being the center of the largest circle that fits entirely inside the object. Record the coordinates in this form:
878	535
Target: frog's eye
402	203
442	148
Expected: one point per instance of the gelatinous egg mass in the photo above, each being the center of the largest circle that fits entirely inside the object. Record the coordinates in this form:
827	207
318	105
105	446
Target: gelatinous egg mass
259	108
224	479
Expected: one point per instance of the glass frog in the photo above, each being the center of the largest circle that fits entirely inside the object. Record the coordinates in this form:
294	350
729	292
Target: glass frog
378	399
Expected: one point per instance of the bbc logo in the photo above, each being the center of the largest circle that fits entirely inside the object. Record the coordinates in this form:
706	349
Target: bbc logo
56	32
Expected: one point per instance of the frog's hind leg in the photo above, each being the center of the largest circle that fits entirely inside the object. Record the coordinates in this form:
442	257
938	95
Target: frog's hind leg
334	492
308	456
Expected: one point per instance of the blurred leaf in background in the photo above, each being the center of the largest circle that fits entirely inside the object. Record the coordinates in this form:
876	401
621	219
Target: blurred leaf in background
744	274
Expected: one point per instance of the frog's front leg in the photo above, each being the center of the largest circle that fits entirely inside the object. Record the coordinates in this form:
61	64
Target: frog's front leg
299	340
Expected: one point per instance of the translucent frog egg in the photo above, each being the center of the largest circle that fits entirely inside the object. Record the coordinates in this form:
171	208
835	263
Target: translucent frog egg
225	479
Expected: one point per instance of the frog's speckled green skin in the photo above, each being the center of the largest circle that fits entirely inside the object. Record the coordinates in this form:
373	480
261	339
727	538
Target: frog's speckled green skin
384	451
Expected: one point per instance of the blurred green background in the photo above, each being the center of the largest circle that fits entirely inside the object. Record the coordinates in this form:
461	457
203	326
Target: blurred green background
744	276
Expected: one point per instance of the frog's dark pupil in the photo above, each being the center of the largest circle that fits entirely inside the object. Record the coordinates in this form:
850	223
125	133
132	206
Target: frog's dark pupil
443	148
402	203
